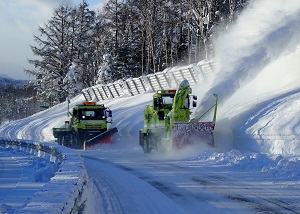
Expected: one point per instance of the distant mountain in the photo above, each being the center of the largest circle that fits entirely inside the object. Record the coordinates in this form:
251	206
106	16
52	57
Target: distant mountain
5	76
6	81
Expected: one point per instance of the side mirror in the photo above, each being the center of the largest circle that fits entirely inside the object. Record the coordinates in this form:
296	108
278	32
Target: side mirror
109	114
155	103
194	104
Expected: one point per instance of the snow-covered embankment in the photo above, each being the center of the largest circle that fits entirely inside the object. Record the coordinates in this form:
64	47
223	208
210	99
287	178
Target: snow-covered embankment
65	190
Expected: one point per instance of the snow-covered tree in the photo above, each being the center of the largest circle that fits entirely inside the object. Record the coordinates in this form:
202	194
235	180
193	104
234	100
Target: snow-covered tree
53	51
84	24
64	41
72	81
105	71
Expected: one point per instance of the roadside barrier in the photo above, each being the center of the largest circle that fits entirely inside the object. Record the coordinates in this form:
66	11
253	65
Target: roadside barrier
64	192
169	78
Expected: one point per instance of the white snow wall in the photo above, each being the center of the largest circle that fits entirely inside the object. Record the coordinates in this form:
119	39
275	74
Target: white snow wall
67	185
258	76
265	32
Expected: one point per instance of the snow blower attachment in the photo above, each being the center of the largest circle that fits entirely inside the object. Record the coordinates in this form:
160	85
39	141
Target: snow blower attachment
167	121
87	127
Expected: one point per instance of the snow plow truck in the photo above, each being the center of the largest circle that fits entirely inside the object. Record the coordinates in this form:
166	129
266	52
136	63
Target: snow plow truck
88	126
168	123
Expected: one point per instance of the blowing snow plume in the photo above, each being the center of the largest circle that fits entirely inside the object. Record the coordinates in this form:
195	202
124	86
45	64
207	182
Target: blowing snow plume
264	32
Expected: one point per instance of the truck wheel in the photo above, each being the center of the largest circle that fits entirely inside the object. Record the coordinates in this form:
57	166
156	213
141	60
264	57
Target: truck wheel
146	147
80	140
145	142
60	139
77	140
149	142
67	141
74	141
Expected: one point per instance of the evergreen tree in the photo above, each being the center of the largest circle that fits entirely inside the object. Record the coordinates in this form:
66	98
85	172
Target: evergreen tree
55	57
83	58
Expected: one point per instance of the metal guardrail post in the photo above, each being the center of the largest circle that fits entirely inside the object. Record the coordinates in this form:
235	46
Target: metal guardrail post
99	92
142	83
174	78
105	92
157	79
165	75
109	90
192	74
86	94
136	88
128	87
150	83
116	90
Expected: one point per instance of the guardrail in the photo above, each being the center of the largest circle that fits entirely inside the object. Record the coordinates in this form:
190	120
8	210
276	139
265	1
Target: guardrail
67	185
169	78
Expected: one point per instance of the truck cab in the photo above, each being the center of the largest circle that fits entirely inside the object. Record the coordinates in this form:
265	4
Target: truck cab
88	126
90	117
158	117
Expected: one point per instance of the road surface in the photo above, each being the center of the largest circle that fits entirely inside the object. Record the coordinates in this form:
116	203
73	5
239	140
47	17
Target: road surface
132	182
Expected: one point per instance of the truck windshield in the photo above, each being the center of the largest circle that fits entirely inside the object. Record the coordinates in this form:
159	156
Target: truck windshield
168	99
92	114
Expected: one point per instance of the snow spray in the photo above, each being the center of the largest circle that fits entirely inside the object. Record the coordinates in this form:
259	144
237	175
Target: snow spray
264	31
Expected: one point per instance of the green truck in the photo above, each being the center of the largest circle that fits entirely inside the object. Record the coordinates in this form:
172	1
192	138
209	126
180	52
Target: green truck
168	124
88	126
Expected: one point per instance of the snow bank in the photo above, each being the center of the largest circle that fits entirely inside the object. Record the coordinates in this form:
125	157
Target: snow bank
64	193
254	42
258	80
286	168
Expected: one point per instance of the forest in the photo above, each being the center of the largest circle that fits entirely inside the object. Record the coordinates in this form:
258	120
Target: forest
78	47
18	99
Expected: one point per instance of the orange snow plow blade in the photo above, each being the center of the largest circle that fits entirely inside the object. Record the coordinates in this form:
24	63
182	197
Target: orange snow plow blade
190	133
105	137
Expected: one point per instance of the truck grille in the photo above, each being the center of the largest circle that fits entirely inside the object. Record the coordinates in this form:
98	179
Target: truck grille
91	126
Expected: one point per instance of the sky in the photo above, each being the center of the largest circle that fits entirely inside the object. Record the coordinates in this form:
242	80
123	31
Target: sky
19	20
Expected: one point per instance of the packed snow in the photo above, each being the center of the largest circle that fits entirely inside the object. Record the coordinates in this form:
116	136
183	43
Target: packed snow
255	164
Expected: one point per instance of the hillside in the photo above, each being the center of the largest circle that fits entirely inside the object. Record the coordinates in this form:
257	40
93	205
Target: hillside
6	81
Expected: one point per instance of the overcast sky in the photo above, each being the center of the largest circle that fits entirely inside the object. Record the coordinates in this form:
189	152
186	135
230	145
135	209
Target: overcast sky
19	20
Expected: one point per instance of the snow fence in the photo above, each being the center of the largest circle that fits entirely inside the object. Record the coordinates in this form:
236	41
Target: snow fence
169	78
64	192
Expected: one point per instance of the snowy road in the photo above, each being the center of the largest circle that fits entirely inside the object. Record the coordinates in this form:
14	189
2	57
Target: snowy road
138	183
